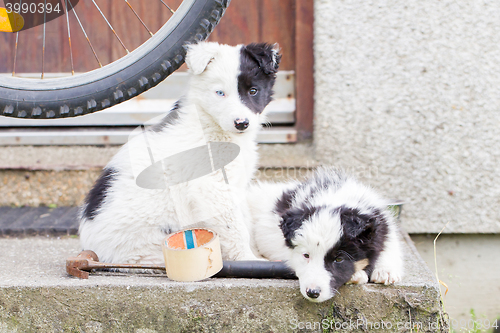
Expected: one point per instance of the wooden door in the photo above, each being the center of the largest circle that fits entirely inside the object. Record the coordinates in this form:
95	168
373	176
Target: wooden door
288	23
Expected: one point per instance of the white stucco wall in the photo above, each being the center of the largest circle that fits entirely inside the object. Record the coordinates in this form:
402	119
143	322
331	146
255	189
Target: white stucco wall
408	98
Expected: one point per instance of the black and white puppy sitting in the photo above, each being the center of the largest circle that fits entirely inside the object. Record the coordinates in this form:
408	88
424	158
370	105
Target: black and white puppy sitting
330	230
229	88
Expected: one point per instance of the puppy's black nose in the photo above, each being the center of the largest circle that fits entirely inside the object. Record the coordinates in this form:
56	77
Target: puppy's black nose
313	293
241	124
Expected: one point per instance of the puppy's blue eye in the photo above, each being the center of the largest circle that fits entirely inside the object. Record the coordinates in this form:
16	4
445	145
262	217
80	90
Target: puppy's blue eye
220	93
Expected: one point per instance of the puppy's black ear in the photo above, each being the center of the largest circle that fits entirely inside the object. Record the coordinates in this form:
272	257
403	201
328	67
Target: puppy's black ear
292	220
266	55
355	224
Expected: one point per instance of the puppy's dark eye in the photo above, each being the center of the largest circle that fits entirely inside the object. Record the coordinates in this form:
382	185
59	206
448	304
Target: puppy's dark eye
253	91
306	255
339	259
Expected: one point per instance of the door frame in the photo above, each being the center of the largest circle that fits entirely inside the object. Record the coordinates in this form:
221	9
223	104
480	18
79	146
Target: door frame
304	68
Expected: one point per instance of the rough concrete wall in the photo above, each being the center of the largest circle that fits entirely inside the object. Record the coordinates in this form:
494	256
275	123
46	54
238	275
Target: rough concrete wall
408	98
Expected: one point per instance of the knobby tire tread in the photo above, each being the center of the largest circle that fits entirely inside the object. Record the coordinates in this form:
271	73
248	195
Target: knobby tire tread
122	85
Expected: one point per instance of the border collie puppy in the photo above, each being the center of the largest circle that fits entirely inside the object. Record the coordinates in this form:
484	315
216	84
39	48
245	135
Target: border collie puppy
124	222
329	229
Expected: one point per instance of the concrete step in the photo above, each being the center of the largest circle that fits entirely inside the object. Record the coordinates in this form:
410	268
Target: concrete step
36	294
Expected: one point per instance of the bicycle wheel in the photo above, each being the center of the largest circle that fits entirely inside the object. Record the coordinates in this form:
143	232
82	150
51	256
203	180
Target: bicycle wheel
119	81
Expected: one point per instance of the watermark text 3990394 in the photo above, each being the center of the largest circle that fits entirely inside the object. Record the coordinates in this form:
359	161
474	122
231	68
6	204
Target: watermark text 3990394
21	15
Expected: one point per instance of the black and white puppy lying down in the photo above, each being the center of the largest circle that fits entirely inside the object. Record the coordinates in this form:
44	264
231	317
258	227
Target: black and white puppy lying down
330	230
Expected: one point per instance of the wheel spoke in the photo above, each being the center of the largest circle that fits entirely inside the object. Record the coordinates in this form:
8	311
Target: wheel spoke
15	48
109	25
69	39
43	46
88	40
55	93
135	13
67	9
171	10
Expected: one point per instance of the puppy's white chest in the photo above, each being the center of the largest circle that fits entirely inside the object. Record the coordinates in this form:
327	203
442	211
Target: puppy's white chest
246	161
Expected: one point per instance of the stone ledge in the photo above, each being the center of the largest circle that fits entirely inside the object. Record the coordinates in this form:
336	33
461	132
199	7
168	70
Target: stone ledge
69	187
37	294
62	176
60	158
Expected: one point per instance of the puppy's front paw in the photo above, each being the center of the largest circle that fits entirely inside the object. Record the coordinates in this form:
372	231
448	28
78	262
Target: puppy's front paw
385	276
359	277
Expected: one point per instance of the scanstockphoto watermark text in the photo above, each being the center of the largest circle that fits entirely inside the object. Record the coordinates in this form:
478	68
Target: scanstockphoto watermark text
302	171
328	324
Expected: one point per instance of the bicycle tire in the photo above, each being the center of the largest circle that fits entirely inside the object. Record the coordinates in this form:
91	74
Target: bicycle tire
119	81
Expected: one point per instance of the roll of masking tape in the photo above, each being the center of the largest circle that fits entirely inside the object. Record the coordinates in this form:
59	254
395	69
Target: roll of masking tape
192	254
